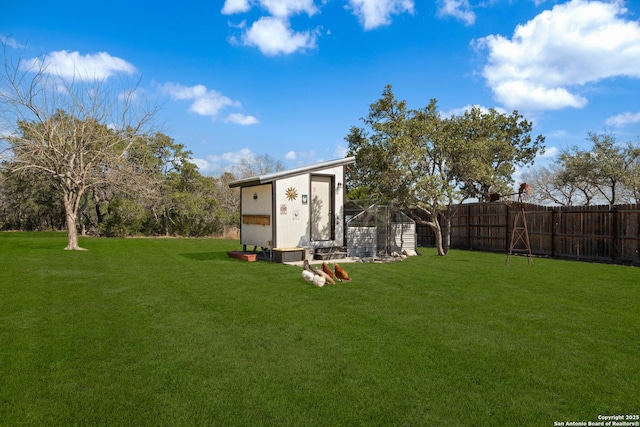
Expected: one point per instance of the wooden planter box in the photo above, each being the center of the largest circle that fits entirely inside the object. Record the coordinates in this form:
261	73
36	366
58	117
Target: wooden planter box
245	256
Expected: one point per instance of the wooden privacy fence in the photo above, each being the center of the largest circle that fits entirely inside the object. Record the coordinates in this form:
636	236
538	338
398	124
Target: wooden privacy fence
592	233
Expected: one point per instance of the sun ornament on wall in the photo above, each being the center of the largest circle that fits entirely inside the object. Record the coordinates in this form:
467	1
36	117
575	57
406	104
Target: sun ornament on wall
291	193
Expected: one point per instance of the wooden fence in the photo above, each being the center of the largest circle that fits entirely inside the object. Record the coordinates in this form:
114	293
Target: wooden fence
591	233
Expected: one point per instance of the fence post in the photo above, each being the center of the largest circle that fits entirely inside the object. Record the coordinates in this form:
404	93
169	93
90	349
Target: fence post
614	233
553	232
469	227
506	228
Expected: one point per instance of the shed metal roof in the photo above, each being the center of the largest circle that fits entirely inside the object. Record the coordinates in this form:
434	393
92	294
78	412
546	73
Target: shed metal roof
270	177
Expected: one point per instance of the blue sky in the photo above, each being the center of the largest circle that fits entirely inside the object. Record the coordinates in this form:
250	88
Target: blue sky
289	78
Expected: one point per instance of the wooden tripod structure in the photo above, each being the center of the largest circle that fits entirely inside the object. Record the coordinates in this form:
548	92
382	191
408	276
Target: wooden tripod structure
520	232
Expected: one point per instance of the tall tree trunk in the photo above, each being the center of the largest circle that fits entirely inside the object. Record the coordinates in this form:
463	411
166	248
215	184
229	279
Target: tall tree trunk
437	230
71	214
446	234
72	233
434	224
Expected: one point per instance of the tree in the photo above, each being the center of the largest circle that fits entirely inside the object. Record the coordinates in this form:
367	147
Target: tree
165	158
192	209
229	202
609	167
29	202
77	133
416	158
549	186
491	145
258	164
633	182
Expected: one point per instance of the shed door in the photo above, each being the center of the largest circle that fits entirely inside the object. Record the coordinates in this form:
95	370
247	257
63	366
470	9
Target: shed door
321	208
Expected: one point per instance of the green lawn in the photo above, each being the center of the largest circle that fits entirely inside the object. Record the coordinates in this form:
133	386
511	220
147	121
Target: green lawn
161	332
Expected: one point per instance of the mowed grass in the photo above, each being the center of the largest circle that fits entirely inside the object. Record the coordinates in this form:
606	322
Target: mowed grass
165	332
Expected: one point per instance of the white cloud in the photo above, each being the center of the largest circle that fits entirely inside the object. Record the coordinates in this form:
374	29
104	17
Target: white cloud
286	8
279	8
203	166
535	96
549	153
376	13
241	119
274	36
235	6
558	134
291	155
232	157
458	9
461	110
205	102
10	42
548	58
216	165
72	65
623	119
340	151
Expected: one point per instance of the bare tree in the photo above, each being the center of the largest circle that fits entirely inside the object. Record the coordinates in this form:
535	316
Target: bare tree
258	164
634	181
76	132
608	166
550	186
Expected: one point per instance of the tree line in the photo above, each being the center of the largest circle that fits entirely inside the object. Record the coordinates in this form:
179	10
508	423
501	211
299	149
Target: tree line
157	190
160	193
82	156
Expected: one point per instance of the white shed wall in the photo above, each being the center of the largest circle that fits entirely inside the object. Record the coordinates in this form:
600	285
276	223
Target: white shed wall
293	217
254	234
403	236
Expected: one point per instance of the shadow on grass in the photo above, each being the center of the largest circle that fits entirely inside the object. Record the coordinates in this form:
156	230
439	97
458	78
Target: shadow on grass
220	256
208	256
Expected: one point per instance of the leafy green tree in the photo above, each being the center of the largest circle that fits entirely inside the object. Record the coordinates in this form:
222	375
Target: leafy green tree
124	217
228	203
161	155
486	146
416	158
29	202
193	204
151	157
180	202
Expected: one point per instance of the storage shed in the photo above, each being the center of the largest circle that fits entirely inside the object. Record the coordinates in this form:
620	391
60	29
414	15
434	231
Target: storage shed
291	214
